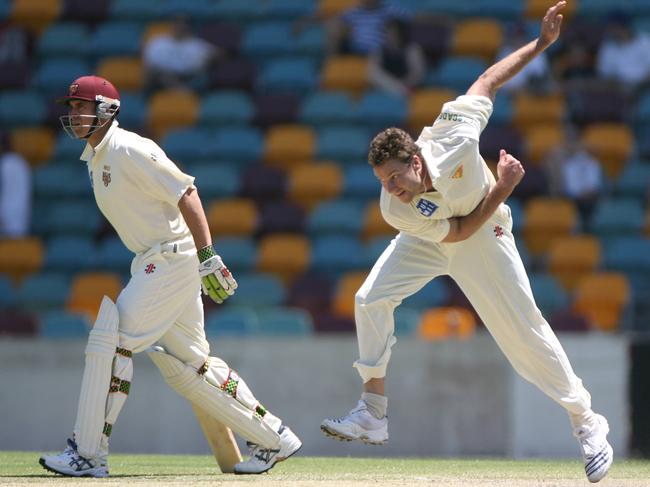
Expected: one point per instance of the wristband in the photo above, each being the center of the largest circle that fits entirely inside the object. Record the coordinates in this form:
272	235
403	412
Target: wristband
205	253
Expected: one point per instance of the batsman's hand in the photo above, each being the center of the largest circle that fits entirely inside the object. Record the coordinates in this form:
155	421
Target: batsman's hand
216	280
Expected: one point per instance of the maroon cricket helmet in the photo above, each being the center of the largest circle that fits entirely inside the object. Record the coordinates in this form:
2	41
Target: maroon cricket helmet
90	88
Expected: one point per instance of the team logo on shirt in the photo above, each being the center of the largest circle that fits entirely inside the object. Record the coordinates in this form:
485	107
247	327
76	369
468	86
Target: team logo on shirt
106	176
149	269
458	173
498	231
426	207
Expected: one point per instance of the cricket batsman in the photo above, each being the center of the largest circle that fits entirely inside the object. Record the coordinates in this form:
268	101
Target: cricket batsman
156	211
439	193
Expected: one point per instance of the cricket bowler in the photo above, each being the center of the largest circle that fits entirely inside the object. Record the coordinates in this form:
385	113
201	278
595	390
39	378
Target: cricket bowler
156	211
433	191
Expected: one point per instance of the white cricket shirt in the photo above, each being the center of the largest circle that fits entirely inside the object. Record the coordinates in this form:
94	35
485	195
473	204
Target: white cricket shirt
458	172
137	188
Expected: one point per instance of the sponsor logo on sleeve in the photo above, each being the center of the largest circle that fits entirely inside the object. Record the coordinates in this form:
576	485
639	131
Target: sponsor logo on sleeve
426	207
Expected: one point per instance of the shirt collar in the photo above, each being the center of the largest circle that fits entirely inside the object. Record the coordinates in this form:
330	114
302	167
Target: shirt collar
89	152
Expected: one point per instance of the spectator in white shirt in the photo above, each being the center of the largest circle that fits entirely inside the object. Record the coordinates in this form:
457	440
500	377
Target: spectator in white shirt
15	192
174	60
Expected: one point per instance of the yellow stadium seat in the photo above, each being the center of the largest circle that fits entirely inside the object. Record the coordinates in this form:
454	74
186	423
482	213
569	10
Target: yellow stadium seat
235	217
536	9
155	29
126	73
331	8
439	324
35	15
288	144
573	257
284	254
539	140
602	298
348	73
169	109
546	219
35	144
89	288
374	224
477	37
425	106
346	288
529	109
611	144
20	257
310	184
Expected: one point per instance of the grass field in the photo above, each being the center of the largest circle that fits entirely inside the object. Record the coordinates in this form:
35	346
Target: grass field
22	468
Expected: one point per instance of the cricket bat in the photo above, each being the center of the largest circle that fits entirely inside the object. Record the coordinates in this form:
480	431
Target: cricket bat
221	440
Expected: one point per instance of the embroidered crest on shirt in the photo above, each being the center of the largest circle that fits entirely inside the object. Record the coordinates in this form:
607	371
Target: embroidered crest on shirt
106	176
458	173
426	207
149	269
498	231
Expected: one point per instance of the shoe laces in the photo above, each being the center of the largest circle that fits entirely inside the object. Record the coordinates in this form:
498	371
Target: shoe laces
589	439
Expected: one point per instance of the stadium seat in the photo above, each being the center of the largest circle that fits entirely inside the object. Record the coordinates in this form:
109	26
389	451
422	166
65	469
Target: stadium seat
61	325
536	9
280	321
477	37
51	75
21	256
241	145
346	288
439	324
61	180
332	8
87	291
534	109
406	321
311	184
226	36
540	139
155	29
263	184
125	72
112	255
343	144
289	9
234	74
602	298
18	323
35	144
281	216
572	257
288	75
233	217
287	144
433	34
169	109
35	15
345	73
196	10
628	254
239	12
311	291
496	137
63	39
328	108
232	321
44	291
360	183
342	217
504	10
434	293
374	224
611	144
258	291
633	181
69	253
133	110
284	255
456	73
139	10
93	13
188	144
425	106
597	100
226	107
239	253
502	109
264	40
310	41
549	295
334	254
215	181
272	109
377	110
546	219
80	218
617	217
376	246
21	107
7	293
116	38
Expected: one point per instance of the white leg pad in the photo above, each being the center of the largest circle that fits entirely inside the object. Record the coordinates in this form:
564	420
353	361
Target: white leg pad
252	423
100	351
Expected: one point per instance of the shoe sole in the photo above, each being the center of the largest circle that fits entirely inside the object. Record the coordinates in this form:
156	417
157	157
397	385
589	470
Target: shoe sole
277	461
338	436
50	469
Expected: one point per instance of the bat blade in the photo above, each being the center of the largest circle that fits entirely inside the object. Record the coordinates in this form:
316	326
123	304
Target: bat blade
221	440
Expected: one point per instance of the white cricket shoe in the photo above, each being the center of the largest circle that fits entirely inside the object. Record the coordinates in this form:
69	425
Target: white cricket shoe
71	464
264	459
597	453
359	424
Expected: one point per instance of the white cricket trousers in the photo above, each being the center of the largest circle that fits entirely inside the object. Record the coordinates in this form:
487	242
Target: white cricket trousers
488	269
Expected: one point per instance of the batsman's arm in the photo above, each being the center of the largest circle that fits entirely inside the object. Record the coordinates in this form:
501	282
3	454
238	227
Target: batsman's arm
192	211
510	172
497	74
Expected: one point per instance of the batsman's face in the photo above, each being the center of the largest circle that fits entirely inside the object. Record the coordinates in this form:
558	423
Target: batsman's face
82	115
404	181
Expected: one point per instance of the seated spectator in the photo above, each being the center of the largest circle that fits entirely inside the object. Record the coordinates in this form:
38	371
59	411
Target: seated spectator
623	56
399	66
536	74
15	192
361	29
14	44
174	60
575	173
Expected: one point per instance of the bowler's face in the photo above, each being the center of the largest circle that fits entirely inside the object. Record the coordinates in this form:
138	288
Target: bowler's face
404	181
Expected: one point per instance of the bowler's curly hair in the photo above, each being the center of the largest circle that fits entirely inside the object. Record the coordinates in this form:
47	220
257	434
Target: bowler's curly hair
392	143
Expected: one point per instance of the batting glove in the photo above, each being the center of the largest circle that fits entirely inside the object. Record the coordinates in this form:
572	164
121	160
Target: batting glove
216	280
